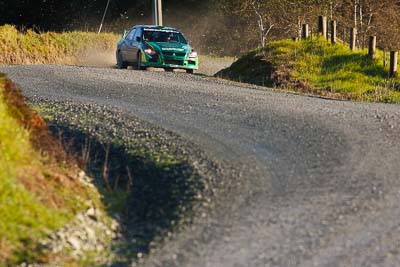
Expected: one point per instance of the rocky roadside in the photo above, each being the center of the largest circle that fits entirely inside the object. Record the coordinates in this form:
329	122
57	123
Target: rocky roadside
91	232
118	236
87	240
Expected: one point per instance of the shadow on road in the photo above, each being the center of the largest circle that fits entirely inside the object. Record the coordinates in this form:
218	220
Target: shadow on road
145	192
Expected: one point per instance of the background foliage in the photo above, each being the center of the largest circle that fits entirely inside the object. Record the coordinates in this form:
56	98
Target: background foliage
228	27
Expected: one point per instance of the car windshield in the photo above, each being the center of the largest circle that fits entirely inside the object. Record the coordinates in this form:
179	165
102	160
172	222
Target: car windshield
163	36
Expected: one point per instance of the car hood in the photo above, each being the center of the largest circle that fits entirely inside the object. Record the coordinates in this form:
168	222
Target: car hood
173	47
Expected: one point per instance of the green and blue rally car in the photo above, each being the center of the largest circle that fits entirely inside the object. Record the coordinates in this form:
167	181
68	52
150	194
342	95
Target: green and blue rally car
156	46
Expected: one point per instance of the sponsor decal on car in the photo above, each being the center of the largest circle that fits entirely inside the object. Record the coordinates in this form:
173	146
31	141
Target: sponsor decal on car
172	49
159	30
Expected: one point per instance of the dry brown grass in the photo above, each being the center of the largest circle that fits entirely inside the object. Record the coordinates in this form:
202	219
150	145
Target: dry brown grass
52	48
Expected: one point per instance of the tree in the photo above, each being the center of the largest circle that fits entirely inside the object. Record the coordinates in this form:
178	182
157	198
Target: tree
387	24
265	19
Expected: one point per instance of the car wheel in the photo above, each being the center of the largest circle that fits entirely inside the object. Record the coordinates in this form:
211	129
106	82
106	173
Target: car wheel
120	62
139	62
190	71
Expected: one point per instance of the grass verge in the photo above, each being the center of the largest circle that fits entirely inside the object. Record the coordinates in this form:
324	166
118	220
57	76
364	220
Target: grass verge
53	48
316	67
38	189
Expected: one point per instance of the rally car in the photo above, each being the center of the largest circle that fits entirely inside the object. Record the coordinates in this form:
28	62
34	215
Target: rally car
156	46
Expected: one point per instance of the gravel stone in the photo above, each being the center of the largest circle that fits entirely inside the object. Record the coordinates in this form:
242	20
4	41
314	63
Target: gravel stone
91	212
75	242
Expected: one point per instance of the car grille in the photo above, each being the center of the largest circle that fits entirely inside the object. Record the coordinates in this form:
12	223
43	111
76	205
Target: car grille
174	54
154	58
174	62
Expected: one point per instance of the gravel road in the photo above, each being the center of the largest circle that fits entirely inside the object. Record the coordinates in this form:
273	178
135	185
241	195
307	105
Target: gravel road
311	182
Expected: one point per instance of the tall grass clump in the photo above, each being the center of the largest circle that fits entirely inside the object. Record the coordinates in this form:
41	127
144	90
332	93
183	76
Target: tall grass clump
36	195
317	67
50	47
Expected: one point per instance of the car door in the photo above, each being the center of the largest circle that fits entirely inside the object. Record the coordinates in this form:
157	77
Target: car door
128	49
137	38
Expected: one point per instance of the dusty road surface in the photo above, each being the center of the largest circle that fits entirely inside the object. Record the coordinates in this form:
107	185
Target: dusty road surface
312	182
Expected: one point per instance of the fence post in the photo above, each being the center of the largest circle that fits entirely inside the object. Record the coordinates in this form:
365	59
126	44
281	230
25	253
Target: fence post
353	37
393	63
327	30
372	47
304	32
333	31
322	26
384	58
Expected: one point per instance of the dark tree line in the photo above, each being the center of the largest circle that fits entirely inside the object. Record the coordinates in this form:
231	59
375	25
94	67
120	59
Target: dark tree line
214	26
256	22
64	15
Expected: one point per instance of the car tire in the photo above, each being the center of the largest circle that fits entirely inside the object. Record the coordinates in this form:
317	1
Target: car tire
139	62
190	71
120	62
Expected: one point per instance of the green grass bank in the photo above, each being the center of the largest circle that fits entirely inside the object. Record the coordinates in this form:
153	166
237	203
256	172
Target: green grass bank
54	48
319	68
39	191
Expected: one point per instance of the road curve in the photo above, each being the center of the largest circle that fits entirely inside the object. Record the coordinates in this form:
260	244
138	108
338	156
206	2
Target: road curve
317	181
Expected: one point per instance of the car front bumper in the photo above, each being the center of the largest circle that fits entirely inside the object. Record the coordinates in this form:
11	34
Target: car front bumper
161	61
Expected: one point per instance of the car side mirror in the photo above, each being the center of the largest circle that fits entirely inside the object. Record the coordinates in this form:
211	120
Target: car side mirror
138	39
124	34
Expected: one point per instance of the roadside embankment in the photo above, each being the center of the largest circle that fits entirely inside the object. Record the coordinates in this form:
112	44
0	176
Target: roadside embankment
40	191
79	48
318	68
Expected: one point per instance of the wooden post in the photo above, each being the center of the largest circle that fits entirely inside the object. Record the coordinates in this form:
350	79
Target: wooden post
158	17
333	31
304	32
372	47
327	30
299	28
393	63
160	13
384	58
322	26
353	38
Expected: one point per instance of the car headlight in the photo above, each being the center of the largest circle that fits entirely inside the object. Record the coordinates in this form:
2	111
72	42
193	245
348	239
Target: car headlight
193	54
149	51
